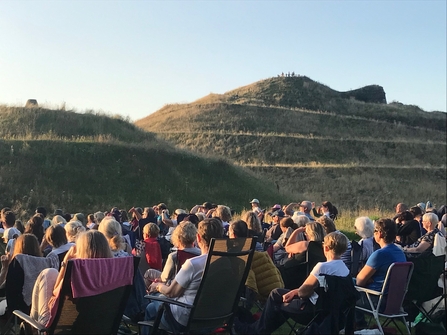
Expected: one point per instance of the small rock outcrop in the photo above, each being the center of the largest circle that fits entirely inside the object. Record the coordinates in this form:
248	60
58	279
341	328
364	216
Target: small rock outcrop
31	103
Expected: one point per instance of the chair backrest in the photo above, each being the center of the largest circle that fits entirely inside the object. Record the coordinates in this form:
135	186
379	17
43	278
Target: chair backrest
424	281
314	254
356	253
396	286
182	256
93	296
223	279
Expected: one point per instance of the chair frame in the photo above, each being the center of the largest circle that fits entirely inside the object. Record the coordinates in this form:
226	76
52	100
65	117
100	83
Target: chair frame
391	280
218	320
68	305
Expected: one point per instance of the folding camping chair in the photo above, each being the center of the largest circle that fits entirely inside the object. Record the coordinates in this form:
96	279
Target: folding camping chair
92	298
394	289
216	301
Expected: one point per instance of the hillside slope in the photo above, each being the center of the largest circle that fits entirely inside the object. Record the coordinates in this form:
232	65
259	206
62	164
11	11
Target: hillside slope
283	127
53	166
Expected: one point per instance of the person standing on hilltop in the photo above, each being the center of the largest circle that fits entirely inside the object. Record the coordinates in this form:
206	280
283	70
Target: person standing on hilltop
256	208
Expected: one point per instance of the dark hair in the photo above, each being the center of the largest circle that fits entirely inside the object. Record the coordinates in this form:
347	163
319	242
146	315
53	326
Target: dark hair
56	236
42	211
35	226
240	228
27	244
387	228
416	210
67	217
405	216
124	216
192	218
10	218
333	211
288	222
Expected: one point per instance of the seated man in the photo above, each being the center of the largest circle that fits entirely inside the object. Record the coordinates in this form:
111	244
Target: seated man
187	281
374	272
282	302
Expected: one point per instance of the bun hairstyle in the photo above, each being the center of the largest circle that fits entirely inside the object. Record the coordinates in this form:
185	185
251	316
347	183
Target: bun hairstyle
111	229
73	229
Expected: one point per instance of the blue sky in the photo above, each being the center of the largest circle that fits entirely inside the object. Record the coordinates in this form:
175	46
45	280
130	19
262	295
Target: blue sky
133	57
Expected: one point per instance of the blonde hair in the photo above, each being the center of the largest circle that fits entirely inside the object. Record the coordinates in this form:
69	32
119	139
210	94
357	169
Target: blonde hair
327	224
223	212
151	229
92	244
72	229
336	242
315	231
252	221
111	229
184	234
58	219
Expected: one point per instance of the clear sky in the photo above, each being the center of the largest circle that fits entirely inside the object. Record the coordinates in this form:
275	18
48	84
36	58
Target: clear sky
133	57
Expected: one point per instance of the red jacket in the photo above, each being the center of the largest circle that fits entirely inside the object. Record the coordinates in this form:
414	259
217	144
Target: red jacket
153	253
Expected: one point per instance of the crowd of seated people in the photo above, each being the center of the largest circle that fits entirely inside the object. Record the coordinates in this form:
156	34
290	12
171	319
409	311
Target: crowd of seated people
157	237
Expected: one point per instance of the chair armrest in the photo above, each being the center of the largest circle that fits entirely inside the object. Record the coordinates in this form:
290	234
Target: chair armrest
367	290
168	300
33	323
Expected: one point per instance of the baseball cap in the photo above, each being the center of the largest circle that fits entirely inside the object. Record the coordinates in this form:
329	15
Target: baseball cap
278	213
276	207
256	201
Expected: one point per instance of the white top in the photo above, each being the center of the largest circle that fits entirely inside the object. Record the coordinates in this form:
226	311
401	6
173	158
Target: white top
189	277
335	267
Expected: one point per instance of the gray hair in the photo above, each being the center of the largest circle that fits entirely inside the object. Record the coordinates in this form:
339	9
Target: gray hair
432	218
364	227
300	220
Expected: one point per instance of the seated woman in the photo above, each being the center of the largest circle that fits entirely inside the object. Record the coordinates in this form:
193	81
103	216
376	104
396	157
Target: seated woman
425	242
287	227
364	228
183	238
111	229
279	306
254	228
73	229
35	226
326	209
57	239
313	231
408	229
90	244
187	281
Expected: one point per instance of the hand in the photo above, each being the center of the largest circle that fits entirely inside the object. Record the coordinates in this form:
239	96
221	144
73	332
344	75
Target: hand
71	253
289	296
153	287
313	204
5	260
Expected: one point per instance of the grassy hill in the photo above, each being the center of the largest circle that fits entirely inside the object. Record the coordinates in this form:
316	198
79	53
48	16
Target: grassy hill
88	162
317	143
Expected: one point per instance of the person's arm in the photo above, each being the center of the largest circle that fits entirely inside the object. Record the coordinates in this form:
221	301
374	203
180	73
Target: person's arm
5	263
304	291
289	207
364	277
136	213
297	248
293	237
69	255
168	270
424	245
174	290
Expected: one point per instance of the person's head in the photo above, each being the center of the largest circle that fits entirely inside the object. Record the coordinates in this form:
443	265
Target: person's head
336	243
327	224
238	229
80	217
277	216
149	212
57	220
223	213
300	220
41	210
99	216
200	216
35	226
92	244
314	231
253	222
151	230
208	229
56	236
3	211
207	206
184	235
9	219
73	229
430	221
124	216
27	244
327	206
19	226
286	223
161	207
254	203
405	216
386	230
305	206
113	232
416	211
400	207
364	227
91	219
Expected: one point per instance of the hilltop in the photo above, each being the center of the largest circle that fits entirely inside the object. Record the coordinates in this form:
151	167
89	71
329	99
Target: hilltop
351	147
89	162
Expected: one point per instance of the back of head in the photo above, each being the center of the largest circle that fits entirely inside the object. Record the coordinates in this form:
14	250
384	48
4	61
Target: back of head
10	218
151	230
92	244
42	210
79	217
57	220
287	223
223	212
99	216
387	228
364	227
400	207
56	236
35	226
113	232
185	234
405	216
336	242
300	220
252	221
208	229
73	229
315	231
239	228
306	205
327	224
416	211
27	244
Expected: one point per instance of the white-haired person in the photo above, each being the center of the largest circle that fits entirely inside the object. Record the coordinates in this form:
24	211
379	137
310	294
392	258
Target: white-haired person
425	242
111	229
364	227
183	238
73	229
